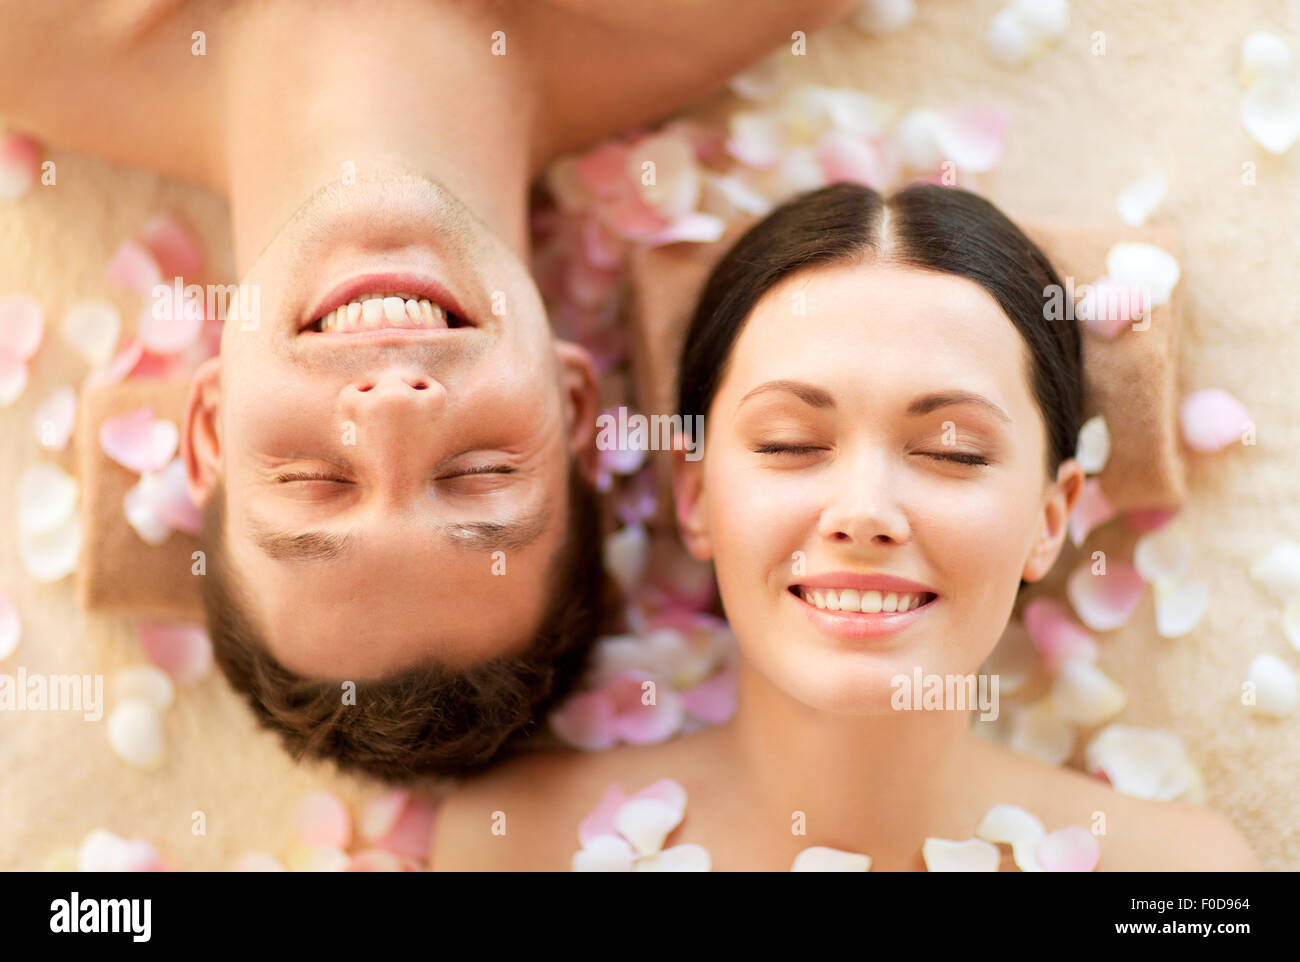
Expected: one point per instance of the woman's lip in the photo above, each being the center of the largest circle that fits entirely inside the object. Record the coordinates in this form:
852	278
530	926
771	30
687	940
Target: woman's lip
407	282
861	582
858	624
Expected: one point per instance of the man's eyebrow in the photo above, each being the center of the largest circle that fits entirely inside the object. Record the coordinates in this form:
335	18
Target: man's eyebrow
820	398
283	545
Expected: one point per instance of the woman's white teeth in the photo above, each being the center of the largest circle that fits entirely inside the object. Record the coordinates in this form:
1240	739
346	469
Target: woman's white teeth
871	602
374	311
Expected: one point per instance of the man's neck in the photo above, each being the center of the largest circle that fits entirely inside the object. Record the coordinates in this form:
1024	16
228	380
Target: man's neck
309	99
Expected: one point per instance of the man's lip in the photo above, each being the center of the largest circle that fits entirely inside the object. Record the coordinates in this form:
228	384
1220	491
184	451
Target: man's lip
863	582
407	282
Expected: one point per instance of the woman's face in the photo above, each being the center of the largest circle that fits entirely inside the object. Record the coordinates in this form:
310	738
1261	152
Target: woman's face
847	439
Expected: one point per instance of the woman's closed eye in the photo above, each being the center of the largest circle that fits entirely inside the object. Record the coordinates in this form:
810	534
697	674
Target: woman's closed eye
335	479
957	457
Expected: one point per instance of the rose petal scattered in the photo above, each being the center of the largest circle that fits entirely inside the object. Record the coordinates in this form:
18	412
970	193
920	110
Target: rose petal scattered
626	553
102	851
168	323
51	554
1083	695
91	328
1212	419
1071	849
1105	601
20	161
1264	55
174	248
135	732
137	441
47	496
606	853
1279	571
1275	686
884	16
1056	634
1140	199
819	858
1039	732
323	821
1090	511
1142	762
13	379
11	627
22	325
679	858
1180	605
132	267
1144	266
971	855
55	418
183	651
144	683
1164	553
258	862
1093	448
1270	112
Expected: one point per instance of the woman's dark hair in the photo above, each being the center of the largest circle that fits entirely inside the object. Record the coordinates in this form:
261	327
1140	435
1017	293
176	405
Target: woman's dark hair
944	229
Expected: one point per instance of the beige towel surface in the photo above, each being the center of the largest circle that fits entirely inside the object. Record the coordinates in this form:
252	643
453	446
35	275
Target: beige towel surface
1083	126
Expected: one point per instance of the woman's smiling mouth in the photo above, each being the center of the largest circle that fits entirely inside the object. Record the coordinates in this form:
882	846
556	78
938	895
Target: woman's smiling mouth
853	613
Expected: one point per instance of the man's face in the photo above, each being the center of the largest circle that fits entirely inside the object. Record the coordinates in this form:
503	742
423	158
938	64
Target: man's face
395	488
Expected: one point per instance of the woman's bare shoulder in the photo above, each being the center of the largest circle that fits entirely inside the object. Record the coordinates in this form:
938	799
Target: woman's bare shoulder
523	814
1135	834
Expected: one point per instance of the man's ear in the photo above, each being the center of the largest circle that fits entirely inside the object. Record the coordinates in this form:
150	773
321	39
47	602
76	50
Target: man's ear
201	432
581	397
1061	499
691	506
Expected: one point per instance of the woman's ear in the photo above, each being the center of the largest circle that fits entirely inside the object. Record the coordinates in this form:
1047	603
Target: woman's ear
1062	496
691	505
581	397
201	432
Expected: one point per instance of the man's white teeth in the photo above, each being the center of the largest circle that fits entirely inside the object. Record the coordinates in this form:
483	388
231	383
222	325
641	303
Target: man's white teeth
871	602
374	311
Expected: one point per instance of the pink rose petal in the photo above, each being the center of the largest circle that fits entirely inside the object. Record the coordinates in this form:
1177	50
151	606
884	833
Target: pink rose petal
20	162
138	442
601	819
603	170
378	860
10	626
1091	510
54	419
169	324
380	814
1055	633
173	247
853	159
182	650
323	821
1108	307
171	498
586	721
412	833
1104	602
714	699
1212	419
972	137
133	267
123	363
1072	849
640	724
13	379
692	228
22	324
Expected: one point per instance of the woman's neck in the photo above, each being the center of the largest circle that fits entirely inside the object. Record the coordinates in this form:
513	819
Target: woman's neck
307	94
881	782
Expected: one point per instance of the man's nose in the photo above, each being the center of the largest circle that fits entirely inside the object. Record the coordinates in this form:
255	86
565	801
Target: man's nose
395	403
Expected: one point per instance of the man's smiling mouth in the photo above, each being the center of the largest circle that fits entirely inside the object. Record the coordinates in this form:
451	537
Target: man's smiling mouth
383	311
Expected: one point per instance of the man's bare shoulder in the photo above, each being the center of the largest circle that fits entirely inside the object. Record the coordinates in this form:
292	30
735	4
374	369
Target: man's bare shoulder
1135	834
523	814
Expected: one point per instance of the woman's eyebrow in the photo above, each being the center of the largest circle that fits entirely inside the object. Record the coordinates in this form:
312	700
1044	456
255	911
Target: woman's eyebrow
818	397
